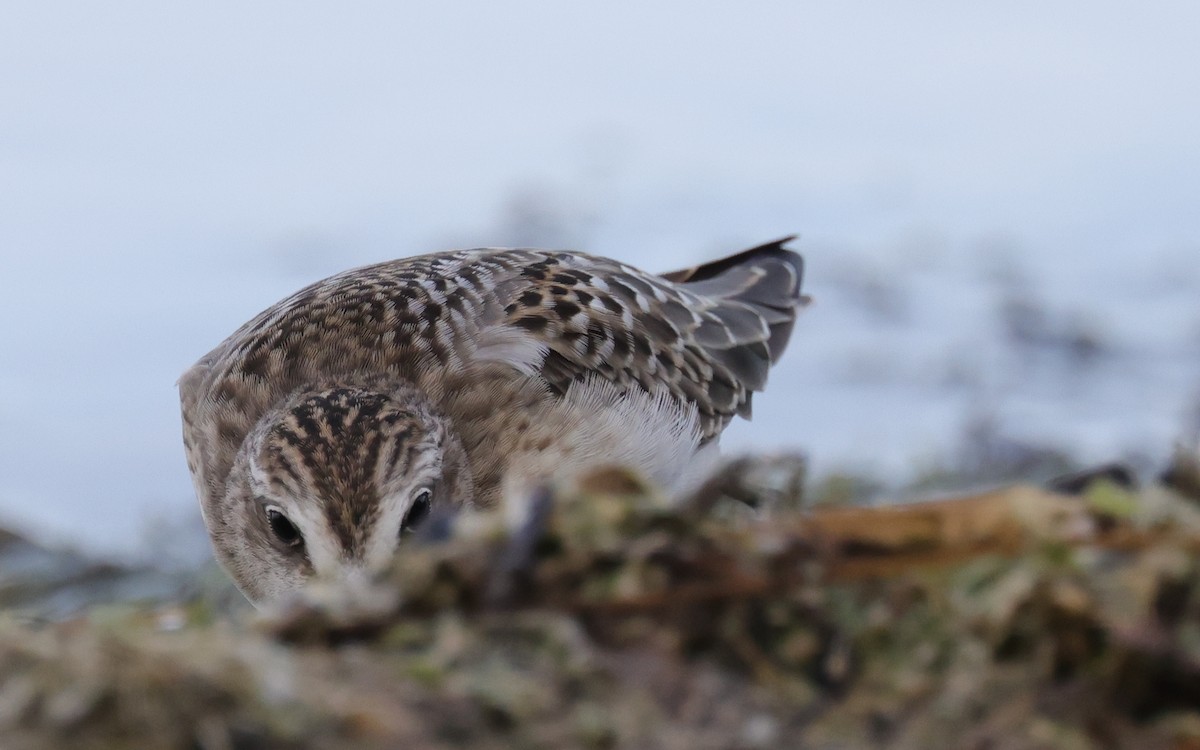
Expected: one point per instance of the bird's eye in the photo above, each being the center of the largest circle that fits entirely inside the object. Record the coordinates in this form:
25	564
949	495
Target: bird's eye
284	530
417	512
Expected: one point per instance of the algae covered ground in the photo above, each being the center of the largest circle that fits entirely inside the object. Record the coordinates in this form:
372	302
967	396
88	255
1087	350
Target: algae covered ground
1027	616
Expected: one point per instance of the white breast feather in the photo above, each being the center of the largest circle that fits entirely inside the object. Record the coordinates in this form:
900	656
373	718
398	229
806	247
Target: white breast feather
598	424
648	432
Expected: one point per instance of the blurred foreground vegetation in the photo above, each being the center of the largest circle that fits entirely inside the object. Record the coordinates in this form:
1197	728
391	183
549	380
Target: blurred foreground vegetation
1054	616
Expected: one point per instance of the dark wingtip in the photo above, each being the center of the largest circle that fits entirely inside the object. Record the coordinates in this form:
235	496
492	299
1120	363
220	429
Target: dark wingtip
717	267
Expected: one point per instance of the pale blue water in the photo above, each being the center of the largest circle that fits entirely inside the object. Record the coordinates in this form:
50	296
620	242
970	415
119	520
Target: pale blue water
165	173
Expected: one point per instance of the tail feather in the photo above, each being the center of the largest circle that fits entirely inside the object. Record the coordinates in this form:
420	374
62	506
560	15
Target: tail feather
780	334
755	297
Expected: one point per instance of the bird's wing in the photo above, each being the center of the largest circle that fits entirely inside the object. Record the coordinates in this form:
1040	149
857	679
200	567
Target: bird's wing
706	335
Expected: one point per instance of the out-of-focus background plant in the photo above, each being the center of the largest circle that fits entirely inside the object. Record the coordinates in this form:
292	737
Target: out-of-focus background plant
997	207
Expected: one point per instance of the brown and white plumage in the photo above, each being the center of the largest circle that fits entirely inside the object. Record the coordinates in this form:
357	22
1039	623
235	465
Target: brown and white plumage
461	374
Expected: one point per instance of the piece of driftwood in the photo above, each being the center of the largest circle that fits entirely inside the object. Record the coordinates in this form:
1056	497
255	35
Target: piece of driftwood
1015	618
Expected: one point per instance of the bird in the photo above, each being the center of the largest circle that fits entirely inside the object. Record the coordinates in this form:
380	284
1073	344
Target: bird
324	431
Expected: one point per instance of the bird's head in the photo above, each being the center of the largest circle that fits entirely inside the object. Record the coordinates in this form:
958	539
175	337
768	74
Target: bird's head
330	483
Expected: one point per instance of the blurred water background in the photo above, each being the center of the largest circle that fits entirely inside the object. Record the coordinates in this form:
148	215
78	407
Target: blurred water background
997	204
